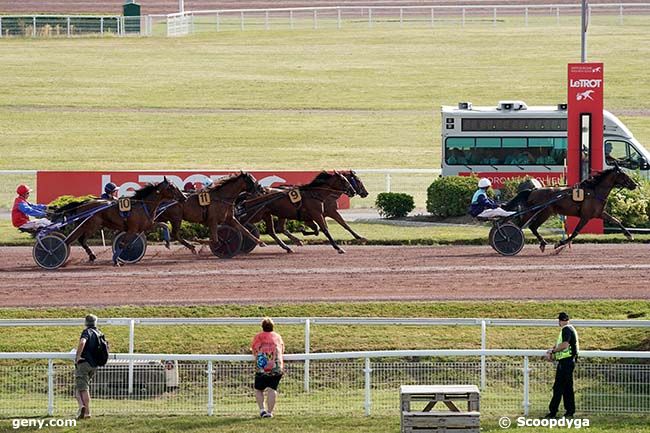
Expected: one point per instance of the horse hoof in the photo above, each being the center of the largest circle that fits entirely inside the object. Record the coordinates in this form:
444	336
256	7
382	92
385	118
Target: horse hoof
193	251
167	245
289	251
542	247
559	248
341	251
363	240
92	258
299	243
262	244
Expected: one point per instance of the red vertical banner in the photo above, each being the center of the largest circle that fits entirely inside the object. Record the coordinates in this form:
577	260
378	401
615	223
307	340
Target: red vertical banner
584	128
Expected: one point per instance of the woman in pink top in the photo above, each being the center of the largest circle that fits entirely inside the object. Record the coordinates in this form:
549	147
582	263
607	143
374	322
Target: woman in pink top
268	351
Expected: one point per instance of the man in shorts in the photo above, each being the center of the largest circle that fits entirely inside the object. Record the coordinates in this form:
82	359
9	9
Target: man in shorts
268	352
85	365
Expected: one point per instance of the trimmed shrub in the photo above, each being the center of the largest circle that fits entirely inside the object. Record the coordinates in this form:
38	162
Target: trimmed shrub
450	196
632	208
67	199
394	204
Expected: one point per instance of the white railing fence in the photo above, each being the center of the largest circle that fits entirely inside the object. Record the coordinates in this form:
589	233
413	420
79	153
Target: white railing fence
346	383
370	16
309	322
48	26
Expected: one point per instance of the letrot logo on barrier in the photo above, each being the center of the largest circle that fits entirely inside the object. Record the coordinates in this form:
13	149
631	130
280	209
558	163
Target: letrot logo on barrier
52	184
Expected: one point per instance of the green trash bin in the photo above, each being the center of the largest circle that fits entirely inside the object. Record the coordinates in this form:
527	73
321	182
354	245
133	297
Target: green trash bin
131	13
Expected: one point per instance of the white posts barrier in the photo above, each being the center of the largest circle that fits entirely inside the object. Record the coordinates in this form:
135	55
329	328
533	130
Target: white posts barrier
367	369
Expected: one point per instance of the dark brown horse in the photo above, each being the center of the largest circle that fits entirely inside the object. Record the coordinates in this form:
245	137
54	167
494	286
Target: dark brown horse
106	214
219	210
331	210
567	201
304	203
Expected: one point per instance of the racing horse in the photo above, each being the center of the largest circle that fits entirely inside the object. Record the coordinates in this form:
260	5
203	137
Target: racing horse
330	208
215	211
587	204
303	203
107	214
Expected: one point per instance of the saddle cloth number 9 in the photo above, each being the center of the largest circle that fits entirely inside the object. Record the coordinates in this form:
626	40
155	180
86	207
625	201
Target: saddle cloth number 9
294	196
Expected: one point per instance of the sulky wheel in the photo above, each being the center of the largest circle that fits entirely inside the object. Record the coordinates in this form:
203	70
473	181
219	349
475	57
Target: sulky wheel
134	251
248	244
229	242
508	239
51	251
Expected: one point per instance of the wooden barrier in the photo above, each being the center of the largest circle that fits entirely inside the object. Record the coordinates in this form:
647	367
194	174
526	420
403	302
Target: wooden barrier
433	421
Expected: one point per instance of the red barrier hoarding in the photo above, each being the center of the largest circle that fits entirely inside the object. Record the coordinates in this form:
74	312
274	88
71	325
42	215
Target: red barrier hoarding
53	184
585	129
498	179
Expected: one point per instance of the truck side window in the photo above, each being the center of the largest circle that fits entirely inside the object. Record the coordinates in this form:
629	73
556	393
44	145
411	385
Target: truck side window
622	153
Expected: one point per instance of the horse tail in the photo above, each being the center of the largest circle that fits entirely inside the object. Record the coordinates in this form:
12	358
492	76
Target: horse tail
519	201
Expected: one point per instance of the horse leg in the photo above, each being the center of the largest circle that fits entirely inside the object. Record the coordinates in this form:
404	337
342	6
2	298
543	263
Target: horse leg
176	235
282	227
608	218
312	225
339	219
270	230
583	221
238	226
535	224
84	244
320	220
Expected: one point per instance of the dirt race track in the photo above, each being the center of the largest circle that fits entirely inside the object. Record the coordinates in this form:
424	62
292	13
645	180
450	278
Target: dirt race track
317	273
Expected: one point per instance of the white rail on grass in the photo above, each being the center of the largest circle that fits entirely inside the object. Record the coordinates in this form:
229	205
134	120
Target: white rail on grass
182	23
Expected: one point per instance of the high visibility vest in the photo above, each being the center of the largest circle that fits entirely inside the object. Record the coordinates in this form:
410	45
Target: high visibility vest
566	353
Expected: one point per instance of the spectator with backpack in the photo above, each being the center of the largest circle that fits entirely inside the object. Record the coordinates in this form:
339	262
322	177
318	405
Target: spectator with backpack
92	352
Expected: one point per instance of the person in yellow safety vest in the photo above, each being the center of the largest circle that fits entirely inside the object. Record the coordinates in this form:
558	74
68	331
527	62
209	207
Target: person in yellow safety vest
565	353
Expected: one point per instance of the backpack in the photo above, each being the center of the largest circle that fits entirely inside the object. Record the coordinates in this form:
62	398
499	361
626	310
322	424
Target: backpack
100	354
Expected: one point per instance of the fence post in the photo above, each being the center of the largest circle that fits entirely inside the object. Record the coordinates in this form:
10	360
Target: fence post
217	21
557	16
494	18
483	347
0	27
307	343
463	24
50	387
68	30
369	18
131	347
291	20
338	18
368	402
401	17
210	373
432	17
620	15
266	20
101	32
241	20
387	182
34	27
526	17
315	20
526	386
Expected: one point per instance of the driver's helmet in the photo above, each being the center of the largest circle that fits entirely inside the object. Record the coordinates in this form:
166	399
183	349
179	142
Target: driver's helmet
110	187
484	182
23	189
207	183
189	186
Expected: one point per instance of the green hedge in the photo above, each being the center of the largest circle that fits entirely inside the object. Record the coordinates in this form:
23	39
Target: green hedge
450	196
394	204
632	208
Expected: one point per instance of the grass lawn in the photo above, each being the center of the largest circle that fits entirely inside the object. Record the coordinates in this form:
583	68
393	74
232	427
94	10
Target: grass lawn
302	424
327	338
